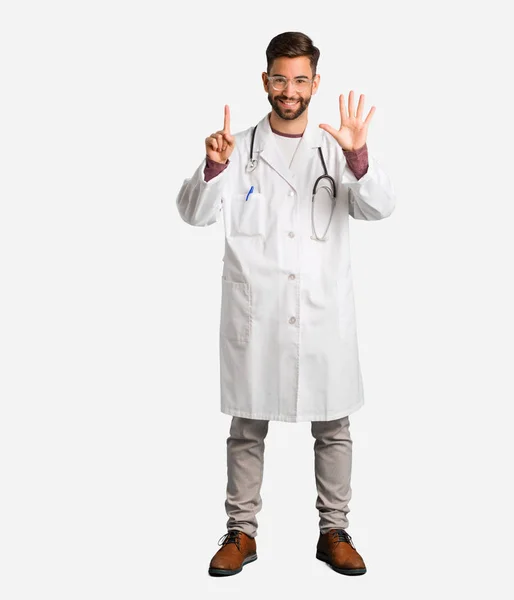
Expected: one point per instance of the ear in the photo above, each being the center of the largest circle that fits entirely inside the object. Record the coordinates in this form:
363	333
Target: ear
315	84
265	81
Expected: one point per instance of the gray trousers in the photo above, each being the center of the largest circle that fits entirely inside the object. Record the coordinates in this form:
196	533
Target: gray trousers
245	465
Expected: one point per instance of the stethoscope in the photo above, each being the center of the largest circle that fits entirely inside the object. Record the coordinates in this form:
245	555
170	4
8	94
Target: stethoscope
252	163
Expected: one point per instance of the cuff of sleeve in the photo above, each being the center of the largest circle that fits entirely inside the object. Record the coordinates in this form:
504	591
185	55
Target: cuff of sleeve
357	160
213	168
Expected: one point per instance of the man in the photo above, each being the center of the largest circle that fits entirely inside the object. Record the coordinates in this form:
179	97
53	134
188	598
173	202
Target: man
288	344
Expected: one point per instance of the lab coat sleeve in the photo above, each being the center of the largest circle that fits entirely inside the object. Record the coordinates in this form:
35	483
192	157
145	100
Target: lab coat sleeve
199	202
371	197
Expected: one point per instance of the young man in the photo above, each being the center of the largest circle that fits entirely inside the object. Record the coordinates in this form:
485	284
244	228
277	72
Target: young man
288	344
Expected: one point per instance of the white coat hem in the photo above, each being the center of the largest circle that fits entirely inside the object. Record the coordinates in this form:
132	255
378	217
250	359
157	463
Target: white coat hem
292	418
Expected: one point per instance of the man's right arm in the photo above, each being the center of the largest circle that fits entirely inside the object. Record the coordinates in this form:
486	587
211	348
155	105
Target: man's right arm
200	198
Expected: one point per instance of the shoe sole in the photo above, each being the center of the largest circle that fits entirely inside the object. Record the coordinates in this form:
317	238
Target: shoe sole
225	572
326	559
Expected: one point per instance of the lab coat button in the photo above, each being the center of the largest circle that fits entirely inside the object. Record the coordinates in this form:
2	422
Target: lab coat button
292	276
291	234
292	320
291	193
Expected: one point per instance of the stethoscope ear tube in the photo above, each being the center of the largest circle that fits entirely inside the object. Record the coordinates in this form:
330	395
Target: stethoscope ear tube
331	188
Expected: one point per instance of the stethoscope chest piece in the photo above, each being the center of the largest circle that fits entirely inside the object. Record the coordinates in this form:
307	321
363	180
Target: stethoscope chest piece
252	163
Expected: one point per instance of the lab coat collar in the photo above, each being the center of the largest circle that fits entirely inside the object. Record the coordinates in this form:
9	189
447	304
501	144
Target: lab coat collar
268	149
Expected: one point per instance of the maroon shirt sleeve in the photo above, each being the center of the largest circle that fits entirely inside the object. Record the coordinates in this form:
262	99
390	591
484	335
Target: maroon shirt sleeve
357	160
213	168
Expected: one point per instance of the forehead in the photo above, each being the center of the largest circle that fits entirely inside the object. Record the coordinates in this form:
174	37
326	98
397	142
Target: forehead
292	67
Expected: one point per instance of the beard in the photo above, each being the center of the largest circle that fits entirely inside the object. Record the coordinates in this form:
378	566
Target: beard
289	114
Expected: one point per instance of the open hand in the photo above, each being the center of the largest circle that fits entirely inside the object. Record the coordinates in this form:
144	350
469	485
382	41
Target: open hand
353	131
219	145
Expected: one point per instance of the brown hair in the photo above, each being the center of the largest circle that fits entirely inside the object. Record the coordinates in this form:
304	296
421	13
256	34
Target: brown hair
292	44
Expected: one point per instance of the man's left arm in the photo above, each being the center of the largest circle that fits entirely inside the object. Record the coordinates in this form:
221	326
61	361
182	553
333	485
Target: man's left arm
370	193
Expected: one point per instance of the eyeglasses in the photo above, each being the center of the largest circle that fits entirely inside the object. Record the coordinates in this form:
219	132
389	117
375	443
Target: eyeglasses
279	83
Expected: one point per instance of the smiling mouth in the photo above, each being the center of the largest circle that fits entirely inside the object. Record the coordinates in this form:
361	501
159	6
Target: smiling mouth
288	104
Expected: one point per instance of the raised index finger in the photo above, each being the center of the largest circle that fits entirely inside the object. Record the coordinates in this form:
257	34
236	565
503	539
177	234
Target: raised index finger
226	124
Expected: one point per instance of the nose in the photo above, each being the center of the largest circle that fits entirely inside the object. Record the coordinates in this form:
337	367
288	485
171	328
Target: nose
290	88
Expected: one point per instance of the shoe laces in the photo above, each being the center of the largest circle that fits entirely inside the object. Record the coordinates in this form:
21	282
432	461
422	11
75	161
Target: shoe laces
231	537
342	536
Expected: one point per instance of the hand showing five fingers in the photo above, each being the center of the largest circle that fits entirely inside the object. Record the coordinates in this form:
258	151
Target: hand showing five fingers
353	131
219	145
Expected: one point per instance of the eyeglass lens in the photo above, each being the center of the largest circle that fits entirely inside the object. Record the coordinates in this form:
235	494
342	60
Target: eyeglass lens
280	83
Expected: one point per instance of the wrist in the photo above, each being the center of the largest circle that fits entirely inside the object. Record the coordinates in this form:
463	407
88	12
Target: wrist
354	149
216	161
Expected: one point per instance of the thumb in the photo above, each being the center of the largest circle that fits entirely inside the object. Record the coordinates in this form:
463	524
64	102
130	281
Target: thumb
333	132
228	138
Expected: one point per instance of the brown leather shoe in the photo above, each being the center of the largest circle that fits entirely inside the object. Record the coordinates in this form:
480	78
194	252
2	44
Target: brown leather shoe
237	550
336	548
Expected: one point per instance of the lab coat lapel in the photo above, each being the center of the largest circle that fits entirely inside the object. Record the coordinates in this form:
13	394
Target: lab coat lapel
269	151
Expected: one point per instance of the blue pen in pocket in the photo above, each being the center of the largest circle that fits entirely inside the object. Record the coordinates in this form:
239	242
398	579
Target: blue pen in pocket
250	191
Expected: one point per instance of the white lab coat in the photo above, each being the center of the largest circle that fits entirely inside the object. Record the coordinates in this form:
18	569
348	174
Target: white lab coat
288	342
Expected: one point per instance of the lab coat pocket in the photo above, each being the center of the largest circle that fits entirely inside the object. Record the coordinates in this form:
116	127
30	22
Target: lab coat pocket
236	310
249	215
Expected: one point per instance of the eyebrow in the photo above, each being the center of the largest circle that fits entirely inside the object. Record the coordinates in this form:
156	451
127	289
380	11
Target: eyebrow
297	77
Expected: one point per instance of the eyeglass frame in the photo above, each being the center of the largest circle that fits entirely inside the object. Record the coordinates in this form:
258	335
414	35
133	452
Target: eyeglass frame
271	78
